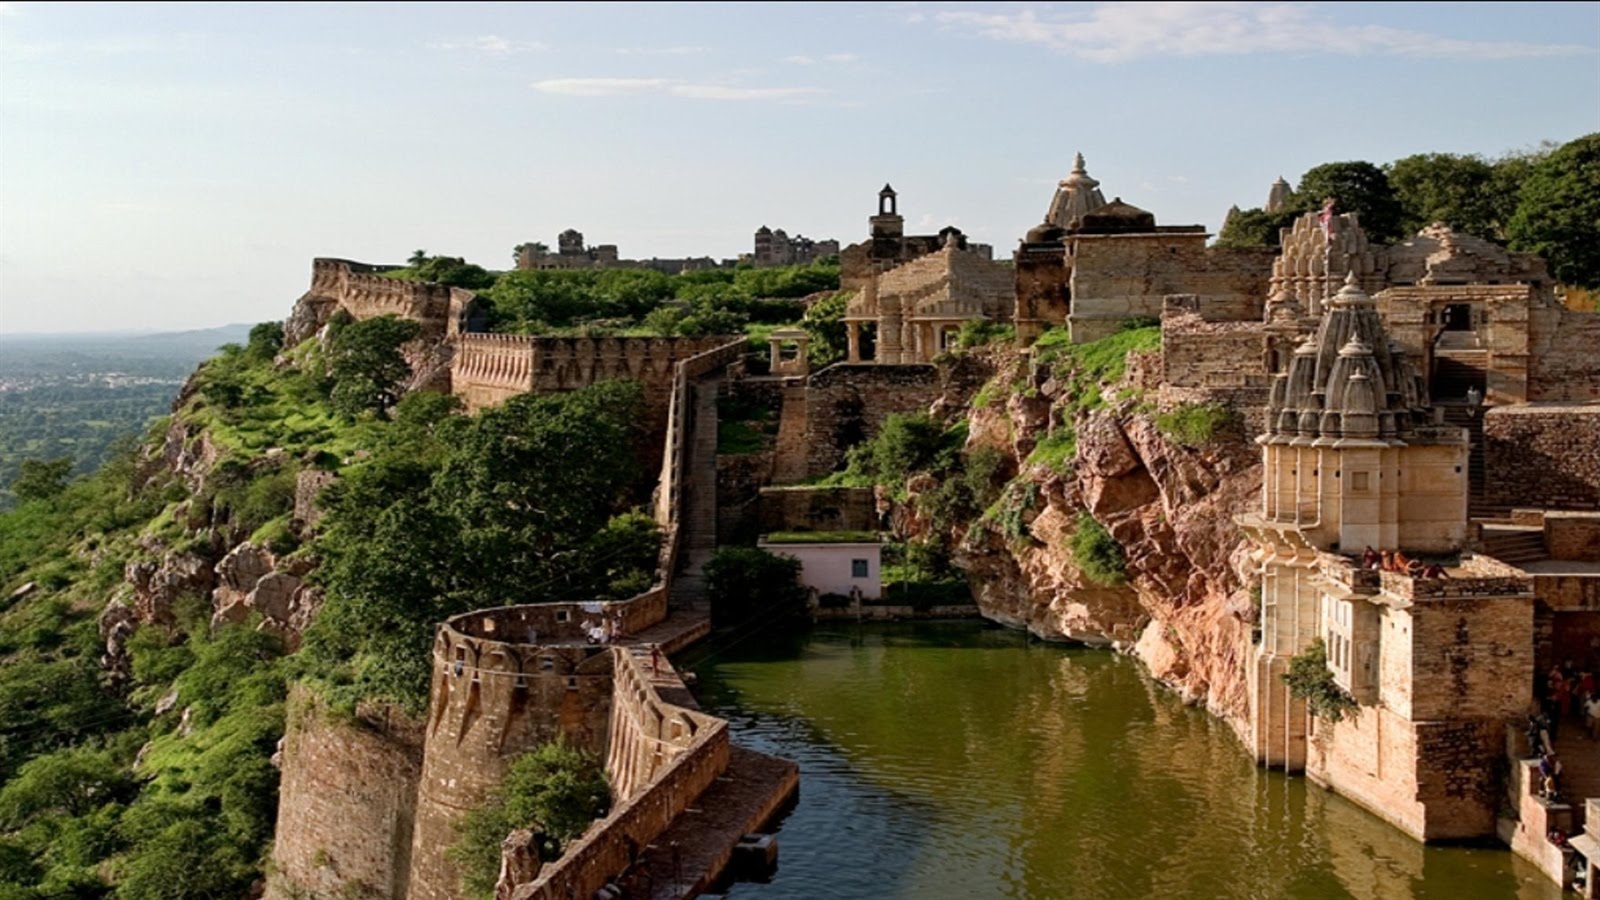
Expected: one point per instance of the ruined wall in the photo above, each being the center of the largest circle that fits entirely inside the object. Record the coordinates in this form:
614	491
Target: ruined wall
847	403
1543	455
1118	277
662	756
345	804
1572	536
358	289
807	508
1564	355
1215	362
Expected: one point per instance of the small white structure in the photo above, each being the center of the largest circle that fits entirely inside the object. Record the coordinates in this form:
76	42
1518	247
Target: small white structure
831	566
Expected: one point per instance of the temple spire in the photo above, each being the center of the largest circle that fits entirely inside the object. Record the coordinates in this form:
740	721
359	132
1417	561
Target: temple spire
1076	194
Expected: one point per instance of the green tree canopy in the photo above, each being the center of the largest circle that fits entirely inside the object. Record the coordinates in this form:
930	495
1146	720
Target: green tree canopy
1253	228
1358	187
1460	191
41	479
366	363
1558	212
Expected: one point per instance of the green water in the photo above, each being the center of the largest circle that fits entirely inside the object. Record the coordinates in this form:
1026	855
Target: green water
956	760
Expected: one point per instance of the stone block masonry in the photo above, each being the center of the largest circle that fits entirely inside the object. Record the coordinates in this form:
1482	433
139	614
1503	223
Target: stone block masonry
346	803
1543	455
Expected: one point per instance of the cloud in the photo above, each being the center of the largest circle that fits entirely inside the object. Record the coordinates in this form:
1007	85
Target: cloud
661	51
599	87
837	58
10	9
491	45
621	87
1120	32
726	92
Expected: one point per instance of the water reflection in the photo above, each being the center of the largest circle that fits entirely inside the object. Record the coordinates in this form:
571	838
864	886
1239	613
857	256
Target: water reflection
955	760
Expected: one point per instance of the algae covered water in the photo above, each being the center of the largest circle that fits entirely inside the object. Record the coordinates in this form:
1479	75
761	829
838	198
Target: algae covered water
959	760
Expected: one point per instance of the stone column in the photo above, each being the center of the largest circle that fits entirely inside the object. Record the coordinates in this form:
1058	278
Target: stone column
853	331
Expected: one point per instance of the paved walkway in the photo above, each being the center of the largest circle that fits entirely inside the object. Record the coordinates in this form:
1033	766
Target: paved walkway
689	857
698	528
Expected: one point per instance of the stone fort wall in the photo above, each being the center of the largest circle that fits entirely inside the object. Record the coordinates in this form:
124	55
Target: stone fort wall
1543	455
662	756
346	803
358	289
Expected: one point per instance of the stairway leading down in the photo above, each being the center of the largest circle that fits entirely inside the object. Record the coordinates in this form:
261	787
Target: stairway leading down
698	526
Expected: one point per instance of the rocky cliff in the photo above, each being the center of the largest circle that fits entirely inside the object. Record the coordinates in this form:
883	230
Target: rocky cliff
1183	603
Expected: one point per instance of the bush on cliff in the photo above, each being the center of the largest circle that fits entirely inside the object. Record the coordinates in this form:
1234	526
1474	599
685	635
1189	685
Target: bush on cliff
1097	554
1310	679
556	791
513	505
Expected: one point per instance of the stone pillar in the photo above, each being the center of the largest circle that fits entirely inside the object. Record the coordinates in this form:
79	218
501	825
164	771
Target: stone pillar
853	332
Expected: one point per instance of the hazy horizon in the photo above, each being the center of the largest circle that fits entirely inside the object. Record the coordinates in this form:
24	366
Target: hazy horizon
175	167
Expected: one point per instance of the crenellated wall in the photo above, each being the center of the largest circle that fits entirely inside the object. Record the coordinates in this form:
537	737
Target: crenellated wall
487	369
491	701
358	289
662	757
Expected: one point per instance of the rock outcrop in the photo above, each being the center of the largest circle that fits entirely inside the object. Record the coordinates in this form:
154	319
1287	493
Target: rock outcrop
1185	606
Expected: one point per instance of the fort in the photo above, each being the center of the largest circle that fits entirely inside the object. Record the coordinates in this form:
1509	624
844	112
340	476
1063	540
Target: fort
1430	399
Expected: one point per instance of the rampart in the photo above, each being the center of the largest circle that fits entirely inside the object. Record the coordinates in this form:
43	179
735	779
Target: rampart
1214	362
359	289
661	757
487	369
1543	455
347	802
809	508
508	679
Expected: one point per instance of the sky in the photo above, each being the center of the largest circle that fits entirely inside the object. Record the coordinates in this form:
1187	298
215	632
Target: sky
178	166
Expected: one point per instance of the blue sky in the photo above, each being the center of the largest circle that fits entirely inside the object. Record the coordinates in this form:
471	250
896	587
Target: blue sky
179	166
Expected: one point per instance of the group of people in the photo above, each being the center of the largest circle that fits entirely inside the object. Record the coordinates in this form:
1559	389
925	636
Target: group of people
1397	562
1566	693
606	631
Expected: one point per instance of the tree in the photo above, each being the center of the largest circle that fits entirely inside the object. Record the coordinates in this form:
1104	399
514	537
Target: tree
1558	212
266	339
41	479
1254	228
824	321
1458	190
744	582
556	791
1358	187
417	258
367	366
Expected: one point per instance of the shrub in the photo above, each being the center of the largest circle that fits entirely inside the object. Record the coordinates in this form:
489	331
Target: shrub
1097	554
556	791
745	581
1310	679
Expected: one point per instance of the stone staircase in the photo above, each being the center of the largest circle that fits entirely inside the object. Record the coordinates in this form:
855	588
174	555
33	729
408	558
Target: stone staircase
698	525
1580	767
1517	546
1478	505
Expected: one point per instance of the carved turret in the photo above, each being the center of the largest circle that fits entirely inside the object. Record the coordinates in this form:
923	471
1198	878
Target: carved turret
1278	197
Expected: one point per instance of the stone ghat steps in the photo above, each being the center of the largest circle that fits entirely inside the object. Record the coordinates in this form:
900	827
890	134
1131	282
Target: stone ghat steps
1580	766
690	856
1515	547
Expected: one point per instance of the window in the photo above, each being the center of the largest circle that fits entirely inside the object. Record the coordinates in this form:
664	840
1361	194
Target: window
563	615
858	568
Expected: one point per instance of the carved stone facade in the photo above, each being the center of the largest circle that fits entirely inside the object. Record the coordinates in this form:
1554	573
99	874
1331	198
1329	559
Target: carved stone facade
1354	461
889	245
912	313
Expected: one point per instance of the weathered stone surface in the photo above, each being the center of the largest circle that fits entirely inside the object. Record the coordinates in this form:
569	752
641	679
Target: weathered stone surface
156	586
1544	455
519	862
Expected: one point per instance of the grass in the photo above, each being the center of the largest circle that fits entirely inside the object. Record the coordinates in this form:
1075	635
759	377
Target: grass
1056	450
1195	424
1097	554
734	438
822	537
